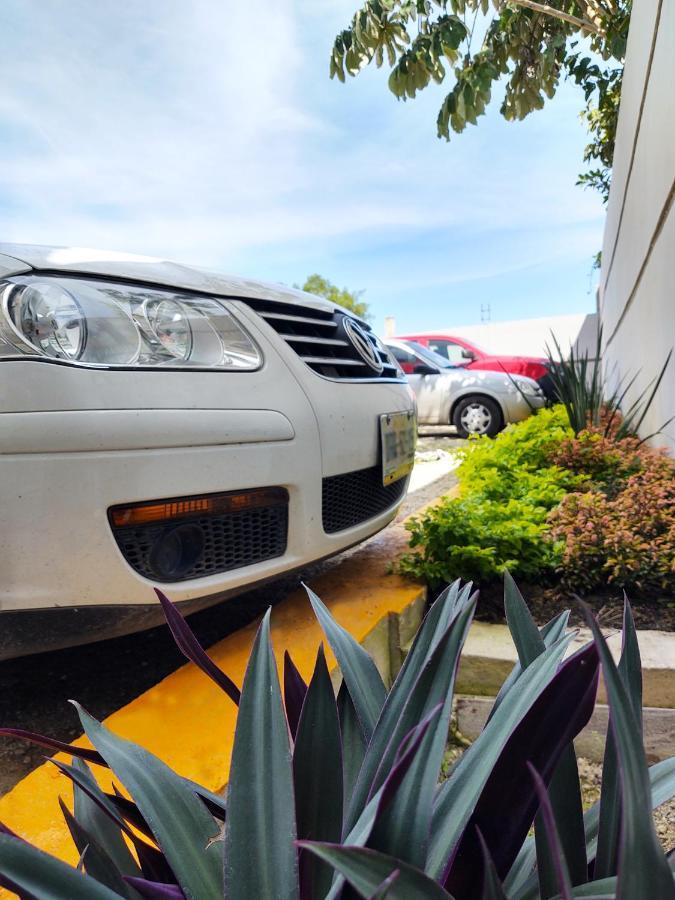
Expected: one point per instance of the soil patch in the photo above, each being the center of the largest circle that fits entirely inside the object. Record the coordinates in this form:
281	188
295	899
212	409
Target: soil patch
546	602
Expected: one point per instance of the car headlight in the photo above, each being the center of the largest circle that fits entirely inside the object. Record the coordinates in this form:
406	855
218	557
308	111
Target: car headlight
97	323
528	387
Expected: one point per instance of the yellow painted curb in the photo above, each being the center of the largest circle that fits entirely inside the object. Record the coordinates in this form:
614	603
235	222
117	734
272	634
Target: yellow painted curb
189	722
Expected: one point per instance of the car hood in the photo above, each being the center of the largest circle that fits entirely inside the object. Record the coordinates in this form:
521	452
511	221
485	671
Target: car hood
126	266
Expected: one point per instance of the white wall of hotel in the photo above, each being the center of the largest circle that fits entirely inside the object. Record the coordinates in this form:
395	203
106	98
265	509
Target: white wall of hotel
637	289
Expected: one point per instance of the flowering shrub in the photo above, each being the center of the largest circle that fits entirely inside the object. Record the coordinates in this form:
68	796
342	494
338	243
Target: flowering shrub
608	461
625	536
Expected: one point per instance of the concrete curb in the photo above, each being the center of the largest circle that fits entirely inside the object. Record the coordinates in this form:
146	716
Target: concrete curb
489	655
659	728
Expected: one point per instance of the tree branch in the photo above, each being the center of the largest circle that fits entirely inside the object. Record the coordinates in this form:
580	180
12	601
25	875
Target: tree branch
584	24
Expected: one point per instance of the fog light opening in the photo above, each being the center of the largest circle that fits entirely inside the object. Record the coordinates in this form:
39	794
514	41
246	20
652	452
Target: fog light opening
176	551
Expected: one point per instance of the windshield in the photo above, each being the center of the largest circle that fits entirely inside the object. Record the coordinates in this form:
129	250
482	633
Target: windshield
433	358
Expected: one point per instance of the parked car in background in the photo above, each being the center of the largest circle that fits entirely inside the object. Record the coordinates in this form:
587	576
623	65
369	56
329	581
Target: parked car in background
163	424
464	353
475	402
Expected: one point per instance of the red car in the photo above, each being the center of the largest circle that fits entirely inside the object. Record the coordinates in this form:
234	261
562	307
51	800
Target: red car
461	352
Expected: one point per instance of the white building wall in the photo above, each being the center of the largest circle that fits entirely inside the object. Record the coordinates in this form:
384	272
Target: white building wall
637	289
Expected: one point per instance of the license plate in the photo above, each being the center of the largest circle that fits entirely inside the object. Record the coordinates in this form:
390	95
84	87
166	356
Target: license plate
399	436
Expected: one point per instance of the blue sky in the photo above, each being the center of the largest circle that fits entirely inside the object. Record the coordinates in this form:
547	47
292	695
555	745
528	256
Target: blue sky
199	133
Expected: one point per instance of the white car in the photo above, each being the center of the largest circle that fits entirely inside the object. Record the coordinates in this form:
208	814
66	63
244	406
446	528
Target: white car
160	424
474	401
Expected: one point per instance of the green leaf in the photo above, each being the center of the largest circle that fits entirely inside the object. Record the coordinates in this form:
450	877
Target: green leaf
178	819
557	860
643	871
358	669
45	877
353	743
365	870
403	829
383	889
260	856
317	775
492	887
405	695
564	789
98	863
457	797
550	633
630	670
100	826
520	883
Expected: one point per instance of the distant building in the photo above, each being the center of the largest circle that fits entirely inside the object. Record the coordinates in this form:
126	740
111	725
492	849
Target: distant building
522	337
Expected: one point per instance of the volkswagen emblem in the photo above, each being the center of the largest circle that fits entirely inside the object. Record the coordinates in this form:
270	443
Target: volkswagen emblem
363	345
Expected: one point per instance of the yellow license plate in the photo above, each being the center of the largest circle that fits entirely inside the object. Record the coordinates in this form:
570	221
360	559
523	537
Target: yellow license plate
399	437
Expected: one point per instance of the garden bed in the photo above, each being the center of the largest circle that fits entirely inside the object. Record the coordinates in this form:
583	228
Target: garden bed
588	514
546	602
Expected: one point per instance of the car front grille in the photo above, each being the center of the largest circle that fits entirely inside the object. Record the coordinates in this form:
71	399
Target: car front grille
230	541
319	340
350	499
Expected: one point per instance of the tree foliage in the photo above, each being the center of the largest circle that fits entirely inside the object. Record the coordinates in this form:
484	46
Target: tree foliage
351	300
525	45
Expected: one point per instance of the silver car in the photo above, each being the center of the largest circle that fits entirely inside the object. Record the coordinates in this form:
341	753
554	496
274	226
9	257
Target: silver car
475	402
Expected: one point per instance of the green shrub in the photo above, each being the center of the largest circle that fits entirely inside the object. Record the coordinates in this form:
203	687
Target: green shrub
625	535
507	488
329	795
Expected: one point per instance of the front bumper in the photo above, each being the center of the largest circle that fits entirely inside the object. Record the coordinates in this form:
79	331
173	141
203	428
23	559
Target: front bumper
74	443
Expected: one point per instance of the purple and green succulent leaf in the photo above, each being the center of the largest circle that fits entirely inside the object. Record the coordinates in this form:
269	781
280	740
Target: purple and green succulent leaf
260	853
425	680
403	829
508	801
363	681
41	740
557	862
317	777
564	788
100	814
492	886
630	671
181	825
644	872
550	633
377	806
130	813
295	689
521	882
33	874
383	889
190	647
366	869
457	797
156	890
352	741
98	863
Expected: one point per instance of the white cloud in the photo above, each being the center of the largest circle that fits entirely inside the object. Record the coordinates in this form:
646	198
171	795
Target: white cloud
208	133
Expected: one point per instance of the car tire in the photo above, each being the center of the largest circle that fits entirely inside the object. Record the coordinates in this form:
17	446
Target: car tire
477	415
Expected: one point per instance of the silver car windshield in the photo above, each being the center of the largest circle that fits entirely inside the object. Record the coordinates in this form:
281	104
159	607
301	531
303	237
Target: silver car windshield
430	356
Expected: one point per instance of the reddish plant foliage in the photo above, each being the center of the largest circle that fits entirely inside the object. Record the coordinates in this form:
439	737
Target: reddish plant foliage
622	531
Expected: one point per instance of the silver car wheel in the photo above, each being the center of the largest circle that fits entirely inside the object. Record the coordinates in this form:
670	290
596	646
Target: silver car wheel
476	418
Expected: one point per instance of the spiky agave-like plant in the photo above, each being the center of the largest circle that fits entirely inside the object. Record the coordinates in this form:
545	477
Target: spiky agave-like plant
334	795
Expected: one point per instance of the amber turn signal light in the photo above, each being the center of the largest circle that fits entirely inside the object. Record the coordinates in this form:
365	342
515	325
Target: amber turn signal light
194	507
